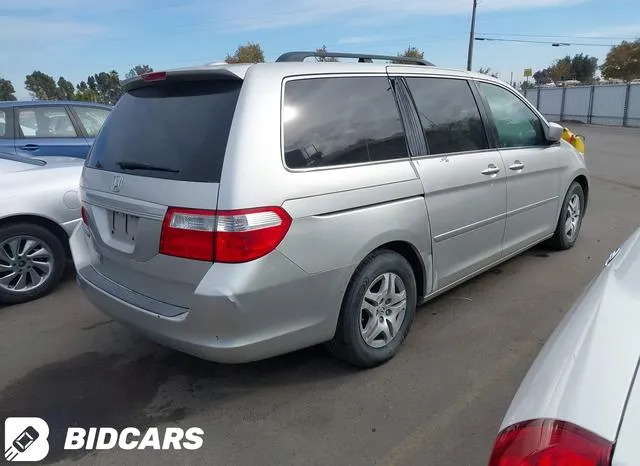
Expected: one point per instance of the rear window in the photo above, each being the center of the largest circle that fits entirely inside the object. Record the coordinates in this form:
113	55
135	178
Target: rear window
174	130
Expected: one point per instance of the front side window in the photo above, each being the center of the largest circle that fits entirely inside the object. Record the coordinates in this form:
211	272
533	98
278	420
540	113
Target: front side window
338	121
516	124
449	115
45	122
91	118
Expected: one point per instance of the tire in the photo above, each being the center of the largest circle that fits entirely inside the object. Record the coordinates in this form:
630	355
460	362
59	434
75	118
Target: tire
50	251
561	239
349	343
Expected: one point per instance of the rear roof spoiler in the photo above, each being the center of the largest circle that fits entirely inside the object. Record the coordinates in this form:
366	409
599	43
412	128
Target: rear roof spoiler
192	74
361	57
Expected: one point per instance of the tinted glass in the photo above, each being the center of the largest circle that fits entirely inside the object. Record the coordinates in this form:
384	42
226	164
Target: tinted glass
92	118
181	127
449	115
516	124
45	122
337	121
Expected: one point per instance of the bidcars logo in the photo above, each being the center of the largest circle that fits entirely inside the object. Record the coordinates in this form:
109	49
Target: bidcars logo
130	438
26	438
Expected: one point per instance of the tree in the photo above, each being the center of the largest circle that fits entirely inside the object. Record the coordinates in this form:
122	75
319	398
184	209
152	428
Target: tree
85	93
106	85
250	53
66	91
542	76
623	61
561	69
321	51
583	67
41	86
410	52
487	71
138	70
7	90
526	85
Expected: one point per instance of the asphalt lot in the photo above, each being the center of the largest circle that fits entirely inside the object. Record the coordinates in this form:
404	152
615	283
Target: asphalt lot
439	402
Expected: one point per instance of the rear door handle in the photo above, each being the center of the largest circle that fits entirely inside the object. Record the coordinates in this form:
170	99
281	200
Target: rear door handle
517	165
30	147
490	170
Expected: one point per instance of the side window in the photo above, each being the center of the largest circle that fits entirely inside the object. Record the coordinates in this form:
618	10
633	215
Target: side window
449	115
516	124
92	118
337	121
45	122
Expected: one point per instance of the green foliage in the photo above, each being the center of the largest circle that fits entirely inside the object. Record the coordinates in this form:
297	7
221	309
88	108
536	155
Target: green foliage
410	52
107	86
41	86
623	61
581	68
7	90
66	90
249	53
138	70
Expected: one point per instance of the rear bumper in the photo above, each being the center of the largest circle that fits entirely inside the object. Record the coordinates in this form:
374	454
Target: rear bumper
240	312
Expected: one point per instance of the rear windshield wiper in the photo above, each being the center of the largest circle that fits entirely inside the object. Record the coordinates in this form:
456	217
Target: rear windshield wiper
145	166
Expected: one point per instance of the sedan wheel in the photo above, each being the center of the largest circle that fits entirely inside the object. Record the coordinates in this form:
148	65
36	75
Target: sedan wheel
26	263
32	262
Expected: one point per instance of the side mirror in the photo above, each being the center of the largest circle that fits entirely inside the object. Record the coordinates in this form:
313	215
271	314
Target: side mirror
553	132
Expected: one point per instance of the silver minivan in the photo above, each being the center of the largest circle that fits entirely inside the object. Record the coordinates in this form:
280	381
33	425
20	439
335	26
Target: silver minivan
238	212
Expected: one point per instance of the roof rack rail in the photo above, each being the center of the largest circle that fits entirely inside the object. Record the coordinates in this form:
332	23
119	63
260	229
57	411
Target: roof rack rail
362	58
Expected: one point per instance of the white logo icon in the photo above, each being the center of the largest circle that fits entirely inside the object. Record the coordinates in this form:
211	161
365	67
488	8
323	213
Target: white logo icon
25	439
117	183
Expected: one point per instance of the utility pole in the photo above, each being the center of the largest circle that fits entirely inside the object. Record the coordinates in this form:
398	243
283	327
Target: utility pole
472	35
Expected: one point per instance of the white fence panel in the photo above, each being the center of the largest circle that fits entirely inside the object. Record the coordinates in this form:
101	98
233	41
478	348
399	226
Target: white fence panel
608	105
576	104
633	114
551	103
532	96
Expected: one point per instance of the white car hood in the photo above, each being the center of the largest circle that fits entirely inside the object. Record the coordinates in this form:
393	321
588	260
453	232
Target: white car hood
585	370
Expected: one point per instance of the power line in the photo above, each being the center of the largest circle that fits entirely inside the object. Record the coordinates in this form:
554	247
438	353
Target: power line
554	44
555	35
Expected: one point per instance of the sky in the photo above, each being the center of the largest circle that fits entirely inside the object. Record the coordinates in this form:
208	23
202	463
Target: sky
76	38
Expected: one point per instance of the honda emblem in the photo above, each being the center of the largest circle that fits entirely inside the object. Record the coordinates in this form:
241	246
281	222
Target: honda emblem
117	182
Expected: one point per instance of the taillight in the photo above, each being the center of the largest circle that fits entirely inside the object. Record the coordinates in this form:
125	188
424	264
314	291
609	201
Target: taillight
542	442
223	236
154	76
188	233
83	214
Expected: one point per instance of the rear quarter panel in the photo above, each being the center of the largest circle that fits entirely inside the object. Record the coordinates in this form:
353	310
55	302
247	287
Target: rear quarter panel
339	214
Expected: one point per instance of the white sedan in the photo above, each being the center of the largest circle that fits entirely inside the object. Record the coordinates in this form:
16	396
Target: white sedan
579	404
